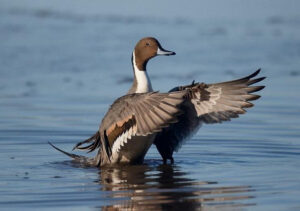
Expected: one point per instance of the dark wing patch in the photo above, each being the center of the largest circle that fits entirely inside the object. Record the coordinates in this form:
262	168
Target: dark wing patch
120	127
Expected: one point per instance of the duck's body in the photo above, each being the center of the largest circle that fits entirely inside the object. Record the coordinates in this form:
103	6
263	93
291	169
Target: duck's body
143	117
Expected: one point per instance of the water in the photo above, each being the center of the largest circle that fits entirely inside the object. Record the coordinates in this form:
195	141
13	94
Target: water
64	62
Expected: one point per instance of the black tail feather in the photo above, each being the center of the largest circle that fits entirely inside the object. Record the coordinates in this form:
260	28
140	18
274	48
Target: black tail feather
95	139
82	159
66	153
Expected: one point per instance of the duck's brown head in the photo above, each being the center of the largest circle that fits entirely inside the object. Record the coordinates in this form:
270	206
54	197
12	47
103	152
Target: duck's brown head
146	49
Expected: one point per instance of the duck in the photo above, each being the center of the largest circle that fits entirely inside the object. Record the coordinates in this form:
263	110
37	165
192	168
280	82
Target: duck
144	117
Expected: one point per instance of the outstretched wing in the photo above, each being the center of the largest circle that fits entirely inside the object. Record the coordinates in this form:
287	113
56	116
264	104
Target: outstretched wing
222	101
208	103
136	115
149	112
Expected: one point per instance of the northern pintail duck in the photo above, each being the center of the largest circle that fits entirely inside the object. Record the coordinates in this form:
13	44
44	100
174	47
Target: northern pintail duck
144	117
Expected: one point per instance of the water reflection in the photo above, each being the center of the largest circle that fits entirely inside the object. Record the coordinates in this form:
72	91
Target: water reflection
166	187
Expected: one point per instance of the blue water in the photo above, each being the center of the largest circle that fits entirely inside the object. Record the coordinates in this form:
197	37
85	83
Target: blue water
62	63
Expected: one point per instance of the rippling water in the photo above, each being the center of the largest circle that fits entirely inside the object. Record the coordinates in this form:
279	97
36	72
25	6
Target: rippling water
62	65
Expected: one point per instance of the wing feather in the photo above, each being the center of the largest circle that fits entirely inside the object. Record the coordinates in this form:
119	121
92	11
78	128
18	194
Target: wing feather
228	98
135	115
208	103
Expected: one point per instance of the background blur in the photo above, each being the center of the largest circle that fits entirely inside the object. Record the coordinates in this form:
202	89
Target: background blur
63	62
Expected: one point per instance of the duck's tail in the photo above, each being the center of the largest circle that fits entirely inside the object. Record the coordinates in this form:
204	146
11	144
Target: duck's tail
78	158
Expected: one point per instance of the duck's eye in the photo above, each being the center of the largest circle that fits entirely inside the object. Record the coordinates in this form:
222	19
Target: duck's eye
147	44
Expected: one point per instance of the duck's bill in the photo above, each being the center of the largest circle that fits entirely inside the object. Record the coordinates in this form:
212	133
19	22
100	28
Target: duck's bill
163	52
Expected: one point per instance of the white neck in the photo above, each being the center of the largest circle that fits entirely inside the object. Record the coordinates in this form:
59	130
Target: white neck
142	78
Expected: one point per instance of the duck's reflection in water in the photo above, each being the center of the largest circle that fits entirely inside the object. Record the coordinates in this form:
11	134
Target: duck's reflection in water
146	187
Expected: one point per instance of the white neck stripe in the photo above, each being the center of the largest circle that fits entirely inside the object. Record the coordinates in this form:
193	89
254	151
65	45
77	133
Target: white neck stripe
142	78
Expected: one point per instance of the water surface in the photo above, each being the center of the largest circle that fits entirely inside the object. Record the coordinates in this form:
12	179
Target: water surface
63	64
